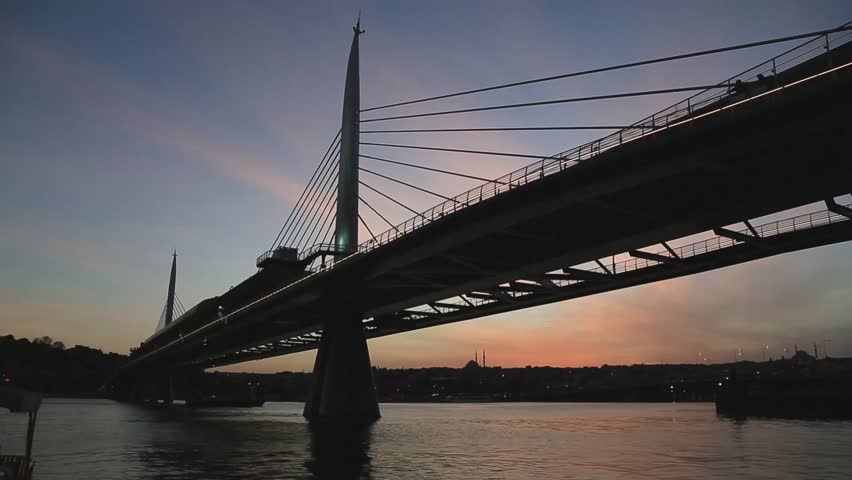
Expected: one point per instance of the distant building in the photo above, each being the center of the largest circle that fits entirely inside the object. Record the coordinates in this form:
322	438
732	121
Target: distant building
471	365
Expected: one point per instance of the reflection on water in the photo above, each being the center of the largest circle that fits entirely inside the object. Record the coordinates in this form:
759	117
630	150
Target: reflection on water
106	440
229	444
339	452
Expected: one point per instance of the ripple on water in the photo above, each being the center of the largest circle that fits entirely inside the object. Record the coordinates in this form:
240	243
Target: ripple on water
106	440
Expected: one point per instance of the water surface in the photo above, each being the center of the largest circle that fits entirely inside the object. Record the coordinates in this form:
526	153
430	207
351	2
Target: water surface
94	439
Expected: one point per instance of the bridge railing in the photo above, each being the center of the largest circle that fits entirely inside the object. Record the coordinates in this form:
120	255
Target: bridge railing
793	224
318	250
307	256
767	230
761	77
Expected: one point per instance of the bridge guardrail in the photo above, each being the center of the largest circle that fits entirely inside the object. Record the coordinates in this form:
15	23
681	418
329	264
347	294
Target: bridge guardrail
556	163
446	306
319	249
308	255
761	75
767	230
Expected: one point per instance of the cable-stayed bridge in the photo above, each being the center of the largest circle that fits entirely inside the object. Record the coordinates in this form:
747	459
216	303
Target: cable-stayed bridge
604	215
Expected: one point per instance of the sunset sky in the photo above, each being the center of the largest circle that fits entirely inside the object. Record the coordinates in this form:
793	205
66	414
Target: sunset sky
128	129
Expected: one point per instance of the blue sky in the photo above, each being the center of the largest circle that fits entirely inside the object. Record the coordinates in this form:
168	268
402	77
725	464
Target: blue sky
132	128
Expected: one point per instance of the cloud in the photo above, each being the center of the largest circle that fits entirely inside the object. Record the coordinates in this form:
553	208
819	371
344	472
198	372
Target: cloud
121	104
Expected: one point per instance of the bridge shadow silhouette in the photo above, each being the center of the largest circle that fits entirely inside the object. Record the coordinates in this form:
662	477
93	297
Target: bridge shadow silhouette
244	443
340	450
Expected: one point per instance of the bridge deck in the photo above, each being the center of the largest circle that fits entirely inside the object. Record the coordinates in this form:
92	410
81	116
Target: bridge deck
755	157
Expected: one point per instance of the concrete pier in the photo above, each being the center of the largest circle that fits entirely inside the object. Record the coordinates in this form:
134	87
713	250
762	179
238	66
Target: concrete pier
343	377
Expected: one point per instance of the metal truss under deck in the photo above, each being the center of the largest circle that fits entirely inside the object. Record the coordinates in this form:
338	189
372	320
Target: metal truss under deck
725	247
412	280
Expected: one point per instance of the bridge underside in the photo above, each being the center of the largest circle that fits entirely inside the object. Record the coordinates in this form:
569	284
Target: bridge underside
792	234
533	245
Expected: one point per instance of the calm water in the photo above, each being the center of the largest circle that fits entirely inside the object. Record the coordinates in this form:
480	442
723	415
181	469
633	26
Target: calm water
105	440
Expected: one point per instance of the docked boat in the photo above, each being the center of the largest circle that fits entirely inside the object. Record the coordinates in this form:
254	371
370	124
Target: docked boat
18	400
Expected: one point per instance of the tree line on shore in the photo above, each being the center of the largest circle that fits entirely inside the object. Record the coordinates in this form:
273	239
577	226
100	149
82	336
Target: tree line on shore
47	366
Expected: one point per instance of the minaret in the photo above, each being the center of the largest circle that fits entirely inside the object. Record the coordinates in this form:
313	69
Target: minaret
170	299
483	358
346	226
476	357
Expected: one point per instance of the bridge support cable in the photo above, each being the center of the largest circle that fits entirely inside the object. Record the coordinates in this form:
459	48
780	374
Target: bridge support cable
328	236
329	215
458	150
415	212
611	96
391	225
324	218
622	66
305	209
415	187
179	308
502	129
308	210
593	148
318	209
306	193
317	217
305	190
361	219
432	169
